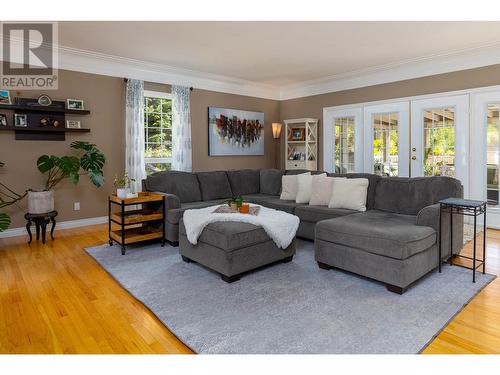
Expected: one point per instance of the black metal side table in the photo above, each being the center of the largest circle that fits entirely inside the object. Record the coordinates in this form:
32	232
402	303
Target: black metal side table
464	207
41	221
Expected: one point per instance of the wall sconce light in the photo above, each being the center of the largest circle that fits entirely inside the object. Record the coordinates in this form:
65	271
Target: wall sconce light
276	130
276	136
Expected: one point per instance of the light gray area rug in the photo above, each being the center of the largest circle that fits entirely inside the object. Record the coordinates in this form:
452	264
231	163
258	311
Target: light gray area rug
288	308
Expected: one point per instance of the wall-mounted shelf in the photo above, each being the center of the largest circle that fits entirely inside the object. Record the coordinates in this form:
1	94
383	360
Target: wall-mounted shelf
43	130
35	113
43	109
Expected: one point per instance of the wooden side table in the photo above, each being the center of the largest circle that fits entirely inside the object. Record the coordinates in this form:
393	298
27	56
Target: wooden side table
135	225
464	207
41	221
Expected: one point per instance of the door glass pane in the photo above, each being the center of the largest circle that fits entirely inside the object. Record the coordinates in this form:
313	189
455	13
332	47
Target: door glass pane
385	144
492	155
439	142
344	144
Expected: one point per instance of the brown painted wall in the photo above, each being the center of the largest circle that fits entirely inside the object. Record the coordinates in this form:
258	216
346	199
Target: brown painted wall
200	101
105	98
312	106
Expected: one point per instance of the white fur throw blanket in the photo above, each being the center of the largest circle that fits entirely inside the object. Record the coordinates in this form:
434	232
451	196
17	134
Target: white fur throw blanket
280	226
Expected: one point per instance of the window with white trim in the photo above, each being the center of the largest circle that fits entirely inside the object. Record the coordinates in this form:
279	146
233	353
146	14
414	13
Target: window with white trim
157	131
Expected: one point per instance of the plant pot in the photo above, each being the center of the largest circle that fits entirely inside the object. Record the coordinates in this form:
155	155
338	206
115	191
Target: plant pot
122	193
40	202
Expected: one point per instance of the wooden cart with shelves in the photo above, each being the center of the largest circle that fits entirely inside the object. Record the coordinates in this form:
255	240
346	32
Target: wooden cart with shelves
132	226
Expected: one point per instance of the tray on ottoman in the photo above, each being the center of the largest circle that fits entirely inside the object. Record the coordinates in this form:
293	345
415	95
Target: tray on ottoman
233	248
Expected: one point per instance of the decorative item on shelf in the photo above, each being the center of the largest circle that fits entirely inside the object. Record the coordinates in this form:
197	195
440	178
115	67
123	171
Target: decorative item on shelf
235	203
5	97
298	134
245	208
122	185
89	159
49	122
20	120
235	132
3	119
76	104
73	124
44	100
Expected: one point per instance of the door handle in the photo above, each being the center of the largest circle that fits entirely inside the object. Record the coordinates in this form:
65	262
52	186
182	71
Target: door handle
414	149
413	158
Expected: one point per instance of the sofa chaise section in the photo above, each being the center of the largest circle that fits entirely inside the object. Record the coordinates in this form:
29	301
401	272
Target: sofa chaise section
397	241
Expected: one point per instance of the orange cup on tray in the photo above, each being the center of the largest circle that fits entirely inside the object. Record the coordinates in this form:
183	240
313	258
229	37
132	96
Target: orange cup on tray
245	208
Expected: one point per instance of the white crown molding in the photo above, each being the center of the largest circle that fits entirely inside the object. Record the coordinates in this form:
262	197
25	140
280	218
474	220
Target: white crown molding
21	231
98	63
425	66
115	66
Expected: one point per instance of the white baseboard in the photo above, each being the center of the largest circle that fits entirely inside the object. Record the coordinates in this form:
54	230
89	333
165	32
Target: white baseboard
21	231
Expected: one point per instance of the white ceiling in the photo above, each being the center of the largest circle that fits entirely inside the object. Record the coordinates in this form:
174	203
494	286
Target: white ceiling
279	53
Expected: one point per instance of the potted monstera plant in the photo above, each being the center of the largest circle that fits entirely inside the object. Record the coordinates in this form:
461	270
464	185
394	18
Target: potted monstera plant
86	160
8	197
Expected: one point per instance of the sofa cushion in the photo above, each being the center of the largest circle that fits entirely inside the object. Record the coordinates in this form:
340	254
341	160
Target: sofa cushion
182	184
314	214
258	198
290	185
244	181
230	236
279	204
270	181
175	214
214	185
409	195
305	183
349	193
373	180
382	233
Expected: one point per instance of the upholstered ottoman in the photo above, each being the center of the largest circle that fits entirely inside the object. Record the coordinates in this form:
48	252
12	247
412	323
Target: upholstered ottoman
233	248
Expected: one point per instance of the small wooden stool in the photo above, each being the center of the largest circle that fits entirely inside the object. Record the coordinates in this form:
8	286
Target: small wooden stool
41	221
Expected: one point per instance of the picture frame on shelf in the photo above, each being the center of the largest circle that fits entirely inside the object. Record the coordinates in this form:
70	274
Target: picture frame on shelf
75	104
3	119
5	97
20	120
73	124
298	134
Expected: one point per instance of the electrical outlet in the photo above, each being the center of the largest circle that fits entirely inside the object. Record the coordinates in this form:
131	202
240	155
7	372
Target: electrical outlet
76	206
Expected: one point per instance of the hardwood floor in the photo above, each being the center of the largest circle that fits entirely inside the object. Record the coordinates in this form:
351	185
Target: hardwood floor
57	299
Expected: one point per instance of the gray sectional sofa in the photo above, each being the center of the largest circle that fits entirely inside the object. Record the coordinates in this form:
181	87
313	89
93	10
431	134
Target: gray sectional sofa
394	241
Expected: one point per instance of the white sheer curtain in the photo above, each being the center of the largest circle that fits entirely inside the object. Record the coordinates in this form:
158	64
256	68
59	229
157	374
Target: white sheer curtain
182	159
134	117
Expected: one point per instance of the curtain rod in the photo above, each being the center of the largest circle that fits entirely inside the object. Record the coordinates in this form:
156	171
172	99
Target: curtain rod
126	80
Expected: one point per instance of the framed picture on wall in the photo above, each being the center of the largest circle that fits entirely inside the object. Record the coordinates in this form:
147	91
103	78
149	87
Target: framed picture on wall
3	119
233	132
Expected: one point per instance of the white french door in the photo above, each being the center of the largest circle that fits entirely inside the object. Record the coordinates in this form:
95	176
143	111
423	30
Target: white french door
485	148
387	138
343	140
440	138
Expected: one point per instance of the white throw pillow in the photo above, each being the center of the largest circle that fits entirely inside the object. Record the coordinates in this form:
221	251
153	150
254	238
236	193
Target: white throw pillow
349	193
289	187
304	186
322	191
